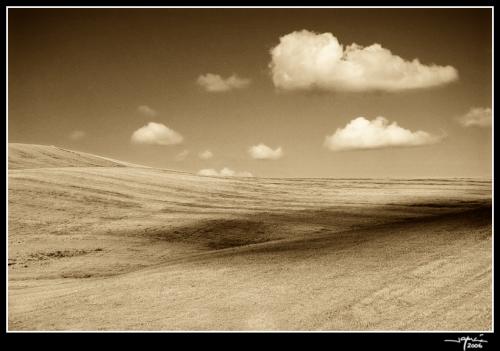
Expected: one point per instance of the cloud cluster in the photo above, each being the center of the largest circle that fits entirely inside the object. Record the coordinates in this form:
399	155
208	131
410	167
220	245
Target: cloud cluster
225	172
156	134
308	60
77	135
205	155
476	117
147	111
361	133
214	83
264	152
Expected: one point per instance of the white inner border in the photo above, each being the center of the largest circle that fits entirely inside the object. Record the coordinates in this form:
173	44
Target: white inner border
252	7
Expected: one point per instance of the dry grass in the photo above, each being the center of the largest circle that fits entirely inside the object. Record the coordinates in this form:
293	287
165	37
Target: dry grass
105	247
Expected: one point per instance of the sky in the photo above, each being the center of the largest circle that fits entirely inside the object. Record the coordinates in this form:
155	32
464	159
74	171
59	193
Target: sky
258	92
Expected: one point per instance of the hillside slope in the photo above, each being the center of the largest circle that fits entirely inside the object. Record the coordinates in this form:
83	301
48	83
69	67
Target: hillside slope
428	274
23	156
90	243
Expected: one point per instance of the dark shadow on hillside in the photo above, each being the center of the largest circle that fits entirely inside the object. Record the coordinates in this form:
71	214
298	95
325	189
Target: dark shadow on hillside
262	227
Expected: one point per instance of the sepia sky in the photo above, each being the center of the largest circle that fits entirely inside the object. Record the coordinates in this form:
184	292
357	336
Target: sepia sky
266	92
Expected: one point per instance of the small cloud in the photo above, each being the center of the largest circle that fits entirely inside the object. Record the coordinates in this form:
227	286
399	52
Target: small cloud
476	117
208	172
227	172
361	133
156	134
305	60
77	135
214	83
147	111
181	156
224	172
205	155
264	152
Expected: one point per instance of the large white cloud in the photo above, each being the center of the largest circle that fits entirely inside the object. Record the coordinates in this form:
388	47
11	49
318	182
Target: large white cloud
224	172
361	133
214	83
308	60
156	134
476	117
264	152
147	111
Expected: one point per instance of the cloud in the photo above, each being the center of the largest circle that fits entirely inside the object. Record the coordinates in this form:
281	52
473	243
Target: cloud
205	155
225	172
77	135
208	172
361	133
181	156
264	152
156	134
476	117
147	111
306	60
214	83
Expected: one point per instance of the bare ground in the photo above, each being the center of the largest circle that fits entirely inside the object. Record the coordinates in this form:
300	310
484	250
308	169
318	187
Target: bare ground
131	248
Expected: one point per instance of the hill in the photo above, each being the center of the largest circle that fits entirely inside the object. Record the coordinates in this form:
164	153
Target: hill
22	156
115	247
